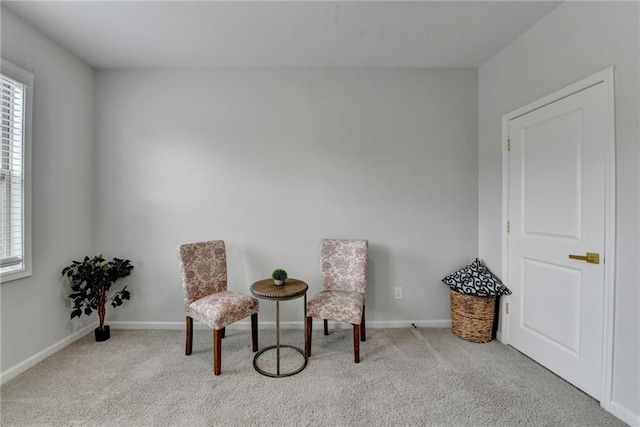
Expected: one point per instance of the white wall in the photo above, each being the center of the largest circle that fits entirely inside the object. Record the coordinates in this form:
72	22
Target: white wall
574	41
273	160
35	310
387	155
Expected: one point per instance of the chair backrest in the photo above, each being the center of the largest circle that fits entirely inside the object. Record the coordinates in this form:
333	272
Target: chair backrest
204	269
343	264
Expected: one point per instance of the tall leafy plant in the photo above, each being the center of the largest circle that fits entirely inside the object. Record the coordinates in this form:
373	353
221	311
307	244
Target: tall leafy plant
91	280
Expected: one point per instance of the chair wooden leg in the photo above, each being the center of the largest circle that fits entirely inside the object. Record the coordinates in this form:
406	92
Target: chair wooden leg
307	341
189	340
326	327
223	331
217	351
356	342
254	331
363	333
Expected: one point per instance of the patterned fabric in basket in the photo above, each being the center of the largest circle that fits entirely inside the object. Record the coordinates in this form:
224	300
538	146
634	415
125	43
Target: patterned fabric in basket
476	279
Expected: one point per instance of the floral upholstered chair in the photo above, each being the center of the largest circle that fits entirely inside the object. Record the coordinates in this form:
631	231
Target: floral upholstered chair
343	267
204	281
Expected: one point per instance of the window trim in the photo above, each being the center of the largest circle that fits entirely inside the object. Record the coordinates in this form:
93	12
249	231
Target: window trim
26	78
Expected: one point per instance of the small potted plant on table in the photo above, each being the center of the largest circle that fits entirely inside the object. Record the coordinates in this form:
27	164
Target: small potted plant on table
91	280
279	276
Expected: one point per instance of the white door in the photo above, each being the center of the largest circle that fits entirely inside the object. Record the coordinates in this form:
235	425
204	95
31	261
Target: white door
557	171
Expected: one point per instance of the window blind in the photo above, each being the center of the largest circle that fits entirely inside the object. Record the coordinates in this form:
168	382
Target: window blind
12	127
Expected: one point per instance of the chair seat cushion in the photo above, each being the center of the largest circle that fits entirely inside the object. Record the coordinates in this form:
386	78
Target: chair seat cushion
222	309
341	306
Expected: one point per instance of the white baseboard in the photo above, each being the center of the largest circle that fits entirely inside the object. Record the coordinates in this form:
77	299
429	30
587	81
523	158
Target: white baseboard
246	325
409	323
152	325
39	357
625	414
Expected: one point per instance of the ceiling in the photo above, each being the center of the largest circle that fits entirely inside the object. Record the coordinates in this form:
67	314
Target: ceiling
185	34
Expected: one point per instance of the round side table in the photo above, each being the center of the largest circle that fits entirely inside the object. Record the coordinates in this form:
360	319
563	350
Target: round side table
292	289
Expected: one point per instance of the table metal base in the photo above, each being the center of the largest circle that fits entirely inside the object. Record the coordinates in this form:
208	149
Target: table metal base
278	374
265	289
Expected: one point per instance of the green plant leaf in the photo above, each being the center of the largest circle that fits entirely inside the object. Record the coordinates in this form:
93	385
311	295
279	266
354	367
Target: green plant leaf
91	280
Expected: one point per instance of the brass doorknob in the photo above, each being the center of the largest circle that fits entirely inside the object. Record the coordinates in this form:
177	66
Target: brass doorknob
590	257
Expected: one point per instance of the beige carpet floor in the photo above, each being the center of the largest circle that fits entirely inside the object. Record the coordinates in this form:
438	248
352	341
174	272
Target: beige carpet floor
407	377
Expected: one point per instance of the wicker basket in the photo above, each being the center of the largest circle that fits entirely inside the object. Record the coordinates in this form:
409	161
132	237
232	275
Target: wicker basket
472	316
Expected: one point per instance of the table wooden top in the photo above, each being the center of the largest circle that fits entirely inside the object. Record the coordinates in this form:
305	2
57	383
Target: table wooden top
292	288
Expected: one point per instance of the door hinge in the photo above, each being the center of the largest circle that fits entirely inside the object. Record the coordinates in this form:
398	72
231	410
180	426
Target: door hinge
506	308
508	227
508	145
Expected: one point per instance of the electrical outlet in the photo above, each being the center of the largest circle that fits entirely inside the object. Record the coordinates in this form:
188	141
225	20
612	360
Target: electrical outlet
398	292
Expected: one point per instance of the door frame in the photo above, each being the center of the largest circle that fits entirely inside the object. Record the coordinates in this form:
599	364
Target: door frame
605	77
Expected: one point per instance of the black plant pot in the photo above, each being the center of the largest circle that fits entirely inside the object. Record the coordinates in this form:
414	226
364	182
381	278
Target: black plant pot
102	335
